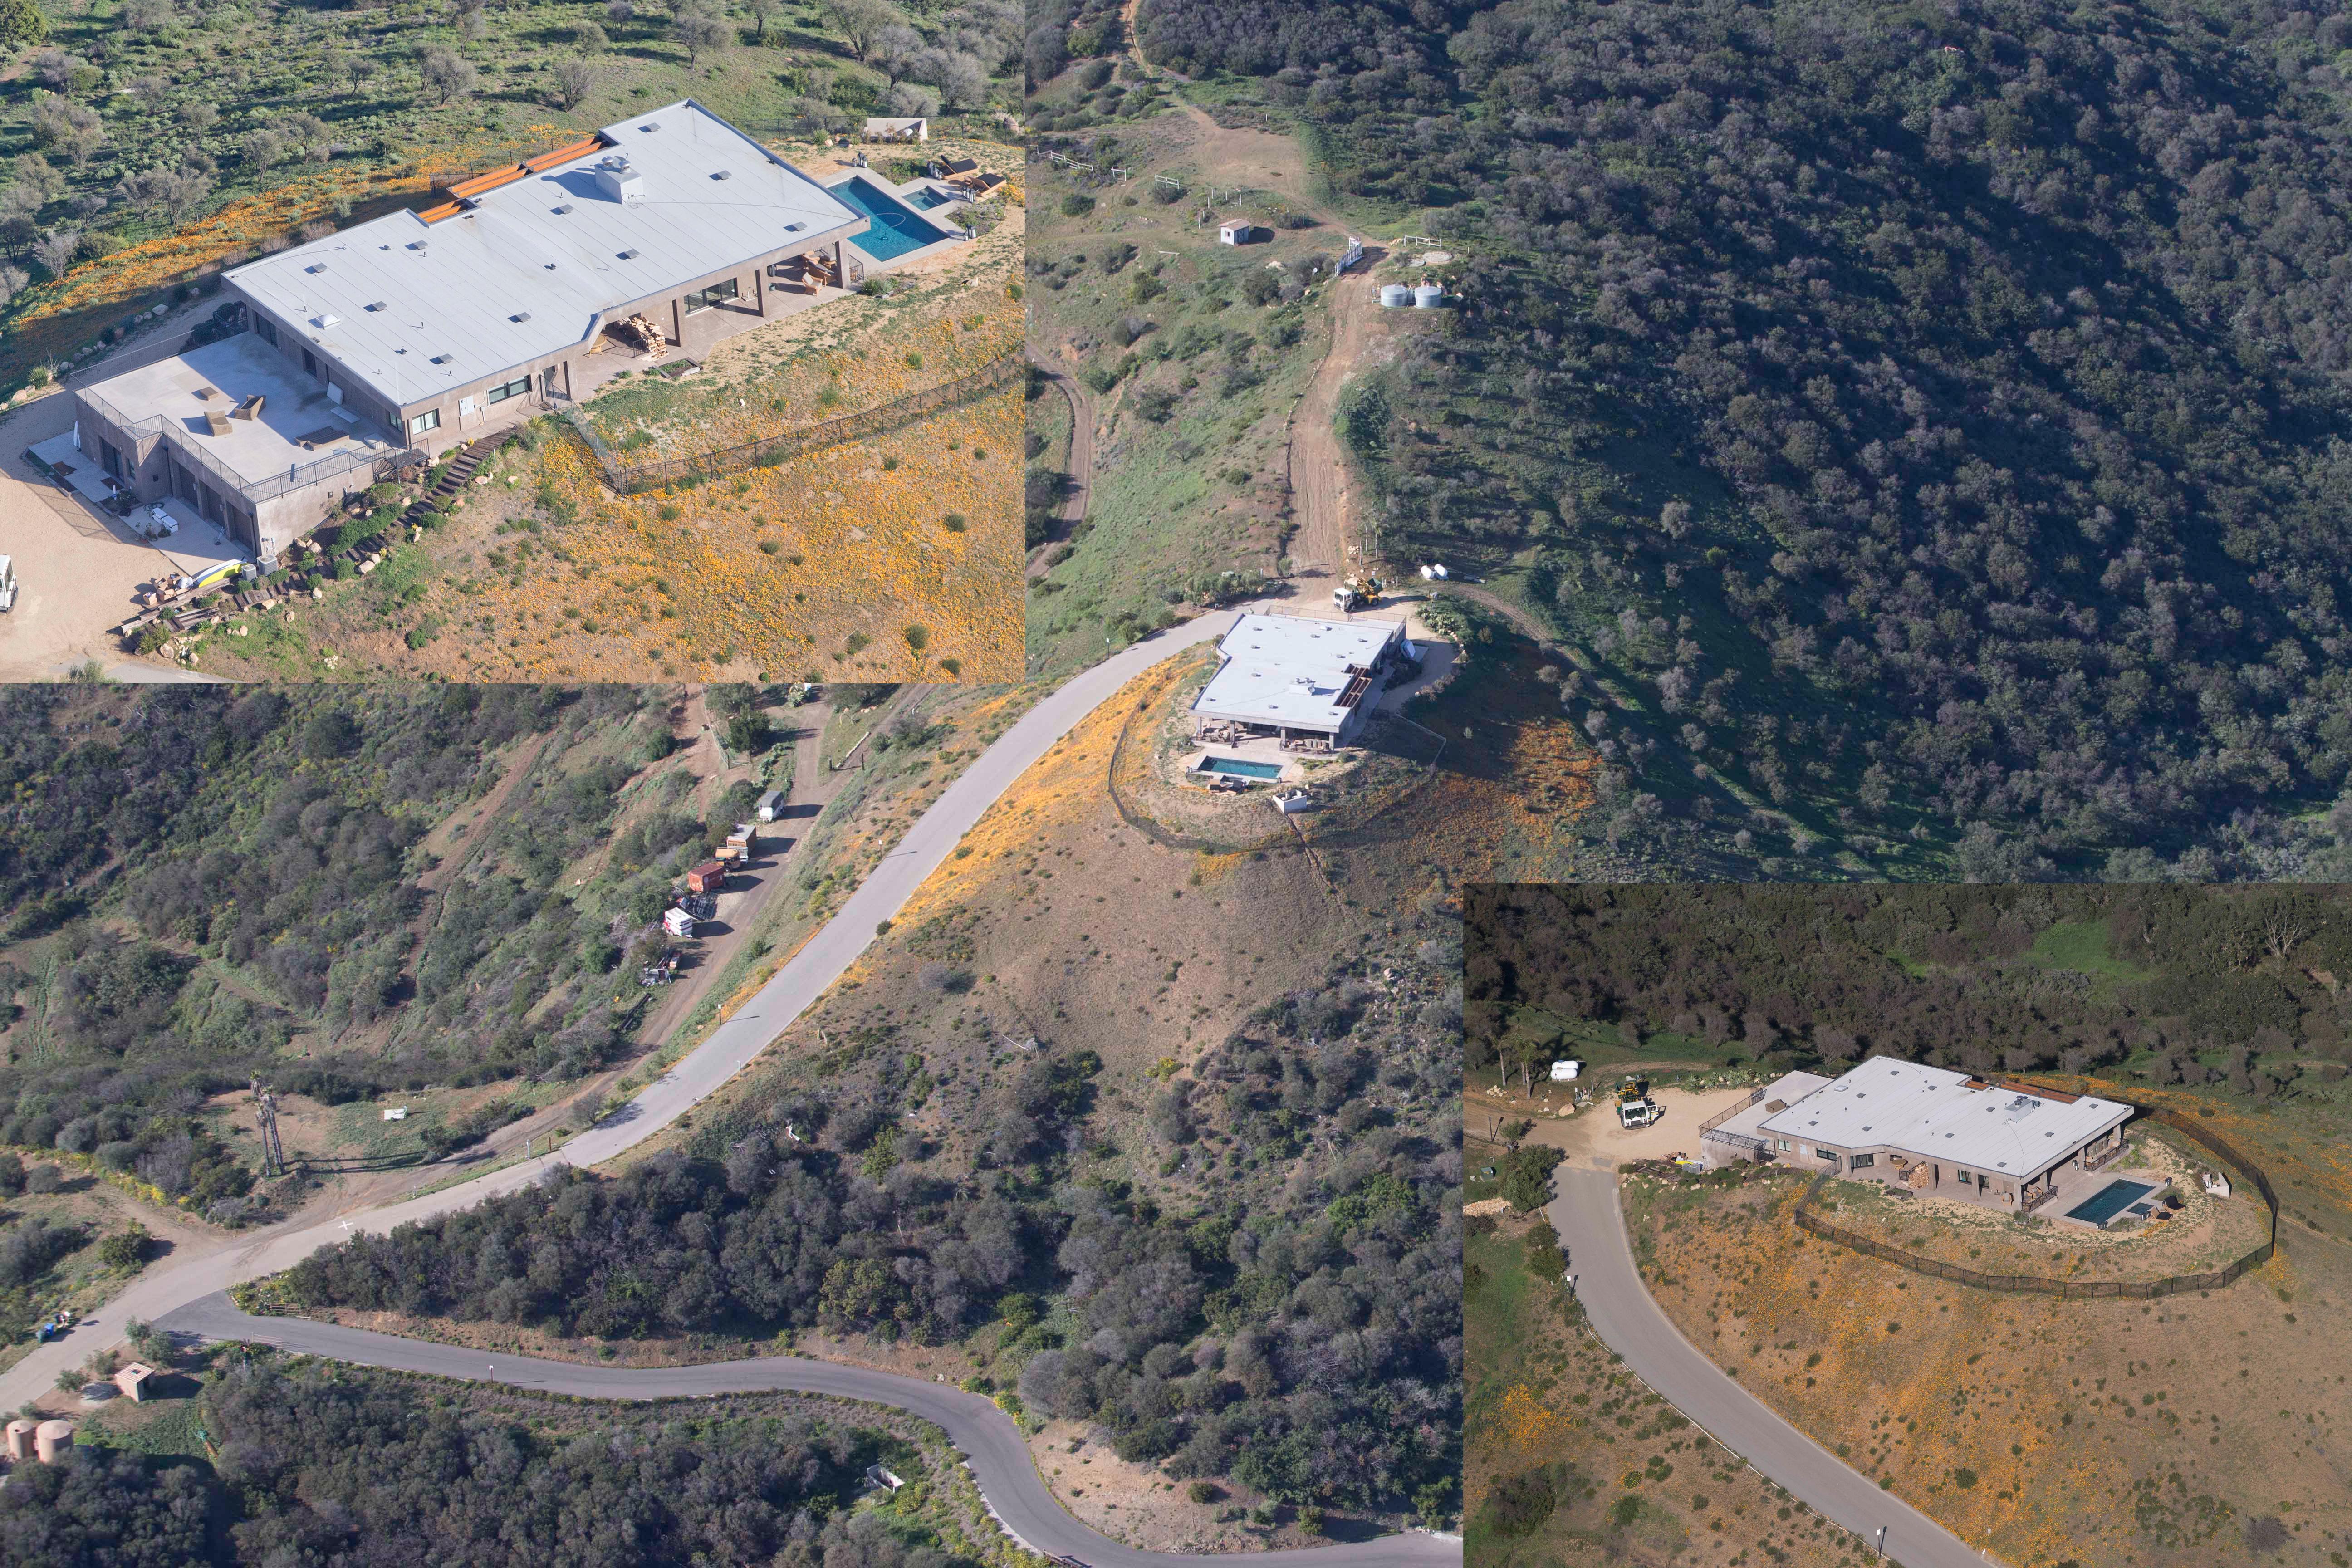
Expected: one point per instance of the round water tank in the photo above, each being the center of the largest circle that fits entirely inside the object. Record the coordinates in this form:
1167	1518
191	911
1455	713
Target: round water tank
20	1438
1395	294
51	1438
1428	297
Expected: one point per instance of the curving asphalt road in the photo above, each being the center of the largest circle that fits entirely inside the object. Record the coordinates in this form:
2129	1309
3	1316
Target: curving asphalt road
179	1294
1592	1227
990	1441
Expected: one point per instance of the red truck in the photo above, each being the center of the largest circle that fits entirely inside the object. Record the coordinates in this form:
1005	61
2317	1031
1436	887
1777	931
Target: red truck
707	877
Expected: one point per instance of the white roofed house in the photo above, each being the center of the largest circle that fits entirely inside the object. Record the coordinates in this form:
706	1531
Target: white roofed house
1928	1129
420	330
1292	677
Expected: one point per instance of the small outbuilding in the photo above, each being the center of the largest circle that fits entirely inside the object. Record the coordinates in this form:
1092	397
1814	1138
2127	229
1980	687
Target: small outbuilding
132	1380
1240	231
707	877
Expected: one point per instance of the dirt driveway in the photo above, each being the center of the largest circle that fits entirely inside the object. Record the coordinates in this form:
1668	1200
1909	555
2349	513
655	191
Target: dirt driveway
76	572
1593	1140
1318	470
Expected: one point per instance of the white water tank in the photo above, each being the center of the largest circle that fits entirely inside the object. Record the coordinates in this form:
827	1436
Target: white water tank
51	1438
1395	294
1428	297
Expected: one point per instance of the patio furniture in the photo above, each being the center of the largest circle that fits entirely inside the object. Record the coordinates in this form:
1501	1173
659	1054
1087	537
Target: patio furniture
215	422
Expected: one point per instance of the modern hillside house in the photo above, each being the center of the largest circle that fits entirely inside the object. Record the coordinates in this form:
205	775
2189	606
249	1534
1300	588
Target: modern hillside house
408	335
1926	1130
1295	678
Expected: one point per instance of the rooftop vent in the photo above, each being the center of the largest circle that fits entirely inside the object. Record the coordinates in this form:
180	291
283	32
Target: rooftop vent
444	358
628	256
563	207
376	305
794	227
316	267
520	316
650	125
618	180
415	245
723	174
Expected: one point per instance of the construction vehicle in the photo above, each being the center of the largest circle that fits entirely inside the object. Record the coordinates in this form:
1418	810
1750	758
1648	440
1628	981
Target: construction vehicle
1635	1106
1357	594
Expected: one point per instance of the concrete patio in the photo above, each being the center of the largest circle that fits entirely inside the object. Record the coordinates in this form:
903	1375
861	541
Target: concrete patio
297	422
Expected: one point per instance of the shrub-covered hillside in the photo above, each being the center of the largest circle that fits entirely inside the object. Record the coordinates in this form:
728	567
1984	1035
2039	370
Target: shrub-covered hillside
277	1462
1932	420
196	877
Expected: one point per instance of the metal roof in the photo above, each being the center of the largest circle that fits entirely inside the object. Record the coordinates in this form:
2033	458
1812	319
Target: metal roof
523	269
1936	1114
1291	669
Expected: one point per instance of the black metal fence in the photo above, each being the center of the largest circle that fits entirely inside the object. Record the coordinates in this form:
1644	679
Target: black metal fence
1706	1129
2073	1289
635	478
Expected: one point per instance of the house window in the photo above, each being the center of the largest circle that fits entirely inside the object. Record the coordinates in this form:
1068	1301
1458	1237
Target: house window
1781	1143
267	328
515	388
704	299
428	420
1859	1161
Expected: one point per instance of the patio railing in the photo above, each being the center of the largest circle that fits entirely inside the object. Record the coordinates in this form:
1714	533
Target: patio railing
1707	1129
332	467
2075	1289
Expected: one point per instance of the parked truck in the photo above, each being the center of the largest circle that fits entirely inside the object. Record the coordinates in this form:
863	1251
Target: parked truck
707	877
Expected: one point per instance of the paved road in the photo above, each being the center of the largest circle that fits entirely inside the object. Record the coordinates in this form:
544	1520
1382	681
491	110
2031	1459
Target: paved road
188	1297
987	1436
731	1046
1592	1227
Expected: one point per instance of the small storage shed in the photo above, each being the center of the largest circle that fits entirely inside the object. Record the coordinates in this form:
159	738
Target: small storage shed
132	1380
1240	231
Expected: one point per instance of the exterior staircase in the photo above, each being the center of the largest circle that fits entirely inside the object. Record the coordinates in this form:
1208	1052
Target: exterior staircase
470	457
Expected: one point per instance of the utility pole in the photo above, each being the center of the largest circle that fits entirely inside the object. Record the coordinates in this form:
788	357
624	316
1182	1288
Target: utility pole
273	1153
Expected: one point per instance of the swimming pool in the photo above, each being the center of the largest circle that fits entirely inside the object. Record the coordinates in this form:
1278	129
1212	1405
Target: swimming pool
2110	1200
927	198
1239	768
893	229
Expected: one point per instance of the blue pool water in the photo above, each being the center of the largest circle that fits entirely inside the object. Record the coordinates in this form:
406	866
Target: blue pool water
894	229
1240	769
2110	1200
927	198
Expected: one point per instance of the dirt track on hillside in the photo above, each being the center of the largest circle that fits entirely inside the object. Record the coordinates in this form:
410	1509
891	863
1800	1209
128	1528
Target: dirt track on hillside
1326	543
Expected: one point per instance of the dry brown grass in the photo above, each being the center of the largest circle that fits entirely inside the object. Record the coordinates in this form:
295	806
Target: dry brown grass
2104	1432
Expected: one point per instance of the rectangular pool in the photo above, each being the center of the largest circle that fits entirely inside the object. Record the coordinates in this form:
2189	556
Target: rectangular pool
2110	1200
1239	768
893	229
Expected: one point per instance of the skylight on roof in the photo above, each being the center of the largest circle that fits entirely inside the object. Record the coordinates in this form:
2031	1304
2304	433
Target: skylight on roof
444	358
628	256
376	305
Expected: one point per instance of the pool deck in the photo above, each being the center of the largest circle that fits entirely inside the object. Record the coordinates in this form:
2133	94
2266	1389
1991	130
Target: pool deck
1262	749
935	216
2070	1188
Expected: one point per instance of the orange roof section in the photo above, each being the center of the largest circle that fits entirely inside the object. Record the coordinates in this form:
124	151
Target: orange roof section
475	185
